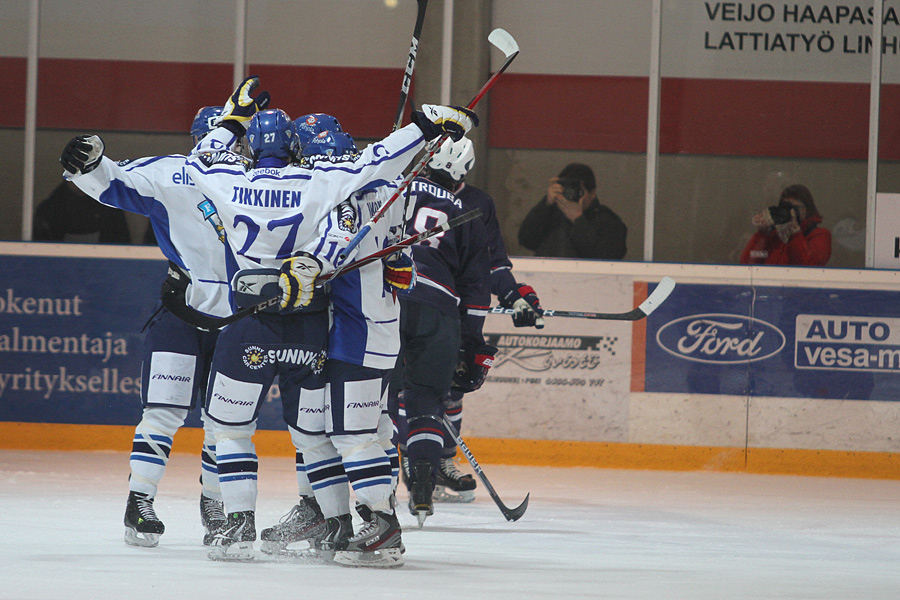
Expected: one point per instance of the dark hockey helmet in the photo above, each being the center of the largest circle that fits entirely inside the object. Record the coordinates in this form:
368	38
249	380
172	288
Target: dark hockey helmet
206	119
271	134
311	125
330	143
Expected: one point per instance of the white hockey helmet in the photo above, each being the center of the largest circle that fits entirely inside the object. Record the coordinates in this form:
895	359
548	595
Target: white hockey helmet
454	158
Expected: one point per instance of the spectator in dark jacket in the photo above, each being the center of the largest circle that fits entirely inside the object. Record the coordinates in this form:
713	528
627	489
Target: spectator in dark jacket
70	215
569	222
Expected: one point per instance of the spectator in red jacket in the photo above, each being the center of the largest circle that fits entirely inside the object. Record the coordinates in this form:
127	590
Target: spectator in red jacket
789	233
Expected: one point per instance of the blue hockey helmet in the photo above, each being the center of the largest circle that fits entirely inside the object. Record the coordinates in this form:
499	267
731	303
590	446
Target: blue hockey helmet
330	143
271	134
206	119
309	126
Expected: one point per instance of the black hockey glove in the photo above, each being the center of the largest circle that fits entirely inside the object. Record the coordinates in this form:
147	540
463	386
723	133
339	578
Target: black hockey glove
240	107
435	121
472	369
82	154
524	301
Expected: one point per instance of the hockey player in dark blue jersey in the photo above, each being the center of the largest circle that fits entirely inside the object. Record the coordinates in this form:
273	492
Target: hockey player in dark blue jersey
441	329
450	164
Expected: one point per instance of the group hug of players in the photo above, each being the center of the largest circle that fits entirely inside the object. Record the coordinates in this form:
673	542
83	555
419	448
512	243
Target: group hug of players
266	210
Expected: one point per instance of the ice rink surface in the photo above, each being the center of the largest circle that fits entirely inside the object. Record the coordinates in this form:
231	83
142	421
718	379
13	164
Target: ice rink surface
588	533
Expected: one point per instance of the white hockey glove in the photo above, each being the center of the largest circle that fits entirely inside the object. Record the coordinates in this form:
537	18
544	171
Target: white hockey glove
298	279
435	120
241	107
82	154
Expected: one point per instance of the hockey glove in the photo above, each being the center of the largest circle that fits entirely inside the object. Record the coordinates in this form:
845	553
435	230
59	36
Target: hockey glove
82	154
472	369
524	301
399	273
436	120
298	279
240	107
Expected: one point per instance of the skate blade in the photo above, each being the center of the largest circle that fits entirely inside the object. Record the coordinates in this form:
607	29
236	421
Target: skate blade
445	494
389	558
238	552
143	540
282	552
421	516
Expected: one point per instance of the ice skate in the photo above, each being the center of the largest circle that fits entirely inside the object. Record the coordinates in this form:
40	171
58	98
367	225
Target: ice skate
421	490
377	544
452	484
303	523
142	526
212	516
338	530
235	541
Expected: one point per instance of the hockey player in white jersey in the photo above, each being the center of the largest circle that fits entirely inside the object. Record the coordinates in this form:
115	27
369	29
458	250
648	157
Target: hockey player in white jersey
176	355
271	213
351	442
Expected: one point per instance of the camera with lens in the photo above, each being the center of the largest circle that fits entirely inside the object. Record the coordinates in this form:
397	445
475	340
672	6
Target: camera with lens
781	214
571	188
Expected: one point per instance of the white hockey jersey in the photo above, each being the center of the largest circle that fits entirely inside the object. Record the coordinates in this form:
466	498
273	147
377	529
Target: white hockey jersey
187	228
365	327
271	212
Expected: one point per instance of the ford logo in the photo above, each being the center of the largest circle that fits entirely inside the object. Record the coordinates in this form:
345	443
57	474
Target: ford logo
720	339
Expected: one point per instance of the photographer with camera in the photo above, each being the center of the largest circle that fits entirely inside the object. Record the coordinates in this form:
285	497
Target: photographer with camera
789	233
569	222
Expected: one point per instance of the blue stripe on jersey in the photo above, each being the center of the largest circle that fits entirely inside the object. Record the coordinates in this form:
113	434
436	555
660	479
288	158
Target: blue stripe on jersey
349	333
119	195
136	164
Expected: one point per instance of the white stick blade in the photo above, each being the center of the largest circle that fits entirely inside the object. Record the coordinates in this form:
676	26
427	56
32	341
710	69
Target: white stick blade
503	41
659	295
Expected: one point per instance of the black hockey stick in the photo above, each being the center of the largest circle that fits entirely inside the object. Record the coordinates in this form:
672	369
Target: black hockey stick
503	41
206	322
511	514
411	62
662	291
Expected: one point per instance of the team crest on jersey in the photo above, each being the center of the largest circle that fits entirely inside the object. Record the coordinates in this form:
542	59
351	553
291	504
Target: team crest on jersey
255	357
346	217
212	217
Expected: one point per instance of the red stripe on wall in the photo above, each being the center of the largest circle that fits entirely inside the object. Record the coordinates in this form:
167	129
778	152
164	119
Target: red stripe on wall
163	97
698	116
13	70
569	112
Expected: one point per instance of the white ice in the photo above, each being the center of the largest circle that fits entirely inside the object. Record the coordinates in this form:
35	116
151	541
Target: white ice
588	533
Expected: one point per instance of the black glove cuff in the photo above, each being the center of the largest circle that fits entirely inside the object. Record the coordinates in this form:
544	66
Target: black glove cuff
429	129
235	128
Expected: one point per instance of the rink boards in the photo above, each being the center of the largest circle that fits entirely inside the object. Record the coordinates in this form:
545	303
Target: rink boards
742	368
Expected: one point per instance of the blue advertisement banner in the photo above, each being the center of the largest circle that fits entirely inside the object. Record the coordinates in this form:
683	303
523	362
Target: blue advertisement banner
70	340
775	341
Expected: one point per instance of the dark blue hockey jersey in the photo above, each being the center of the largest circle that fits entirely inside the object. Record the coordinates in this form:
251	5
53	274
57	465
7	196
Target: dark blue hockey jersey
502	279
453	268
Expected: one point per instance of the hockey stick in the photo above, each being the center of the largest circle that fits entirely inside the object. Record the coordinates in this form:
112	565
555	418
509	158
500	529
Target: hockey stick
511	514
502	40
210	323
662	291
411	62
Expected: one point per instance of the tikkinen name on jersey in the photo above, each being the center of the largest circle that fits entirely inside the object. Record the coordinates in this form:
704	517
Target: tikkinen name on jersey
268	198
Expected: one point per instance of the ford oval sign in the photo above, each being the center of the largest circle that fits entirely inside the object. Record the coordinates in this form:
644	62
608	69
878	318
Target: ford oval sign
720	339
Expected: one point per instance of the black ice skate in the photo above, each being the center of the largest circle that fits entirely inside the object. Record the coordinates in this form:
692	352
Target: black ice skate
142	526
421	489
235	541
338	530
377	544
212	516
452	484
303	523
